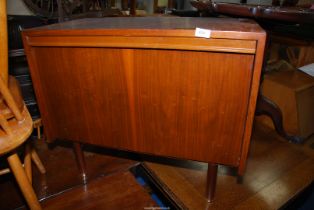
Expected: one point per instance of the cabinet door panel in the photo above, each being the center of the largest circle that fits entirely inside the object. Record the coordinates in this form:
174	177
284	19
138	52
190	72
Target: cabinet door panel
84	95
191	104
182	104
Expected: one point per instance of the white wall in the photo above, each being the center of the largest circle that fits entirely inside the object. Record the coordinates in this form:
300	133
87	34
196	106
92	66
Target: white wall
17	7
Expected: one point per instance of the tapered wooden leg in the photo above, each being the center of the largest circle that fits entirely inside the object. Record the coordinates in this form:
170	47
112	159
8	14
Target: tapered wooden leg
23	182
37	161
211	181
28	162
80	160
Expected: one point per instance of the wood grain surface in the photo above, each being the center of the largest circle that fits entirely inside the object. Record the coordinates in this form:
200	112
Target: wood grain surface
187	99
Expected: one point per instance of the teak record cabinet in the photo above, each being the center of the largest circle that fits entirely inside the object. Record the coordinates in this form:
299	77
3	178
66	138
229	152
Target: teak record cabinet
147	84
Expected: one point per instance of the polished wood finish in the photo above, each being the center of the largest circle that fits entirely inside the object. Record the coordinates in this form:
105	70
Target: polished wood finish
122	129
149	85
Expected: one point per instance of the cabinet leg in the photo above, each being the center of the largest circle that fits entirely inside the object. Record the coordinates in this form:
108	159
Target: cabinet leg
80	160
211	181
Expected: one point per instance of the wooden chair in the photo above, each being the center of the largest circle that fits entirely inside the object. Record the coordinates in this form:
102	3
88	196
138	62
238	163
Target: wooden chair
14	132
16	124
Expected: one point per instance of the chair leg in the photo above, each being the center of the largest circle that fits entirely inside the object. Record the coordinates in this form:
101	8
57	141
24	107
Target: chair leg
37	124
23	182
28	162
37	161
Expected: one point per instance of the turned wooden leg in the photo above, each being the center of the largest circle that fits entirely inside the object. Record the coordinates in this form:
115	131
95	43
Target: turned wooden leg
28	162
37	161
23	182
211	181
80	160
265	106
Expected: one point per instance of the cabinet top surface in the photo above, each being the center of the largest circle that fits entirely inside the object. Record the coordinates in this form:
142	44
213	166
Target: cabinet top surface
169	26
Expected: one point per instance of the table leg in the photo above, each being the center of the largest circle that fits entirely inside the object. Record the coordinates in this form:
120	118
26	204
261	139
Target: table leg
211	181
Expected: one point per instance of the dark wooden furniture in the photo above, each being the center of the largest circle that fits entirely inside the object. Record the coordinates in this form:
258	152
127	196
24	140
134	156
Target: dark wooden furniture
286	19
149	85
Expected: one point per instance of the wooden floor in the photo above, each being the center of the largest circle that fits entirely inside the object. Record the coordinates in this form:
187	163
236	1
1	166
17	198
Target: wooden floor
276	172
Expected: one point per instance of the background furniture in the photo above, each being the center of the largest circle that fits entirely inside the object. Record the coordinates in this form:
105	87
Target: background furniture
288	19
293	92
73	9
18	66
149	85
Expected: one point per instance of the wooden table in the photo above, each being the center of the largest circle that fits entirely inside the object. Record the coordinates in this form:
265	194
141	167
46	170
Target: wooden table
149	85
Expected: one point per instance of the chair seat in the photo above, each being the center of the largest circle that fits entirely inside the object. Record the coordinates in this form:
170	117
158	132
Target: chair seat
20	133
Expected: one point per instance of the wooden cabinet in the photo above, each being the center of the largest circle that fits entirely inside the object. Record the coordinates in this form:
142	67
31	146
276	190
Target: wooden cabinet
149	85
